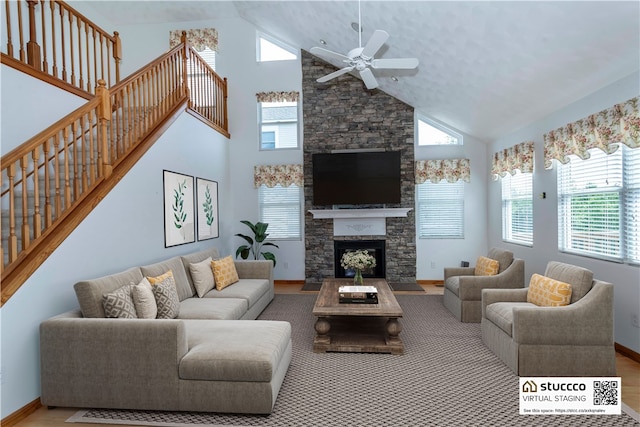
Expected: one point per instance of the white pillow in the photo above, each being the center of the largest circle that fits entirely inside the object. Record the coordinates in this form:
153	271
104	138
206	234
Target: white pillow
144	300
202	276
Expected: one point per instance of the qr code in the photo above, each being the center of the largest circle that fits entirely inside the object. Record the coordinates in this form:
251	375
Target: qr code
605	392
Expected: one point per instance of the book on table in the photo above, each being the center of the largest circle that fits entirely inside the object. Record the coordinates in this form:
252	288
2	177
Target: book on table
358	294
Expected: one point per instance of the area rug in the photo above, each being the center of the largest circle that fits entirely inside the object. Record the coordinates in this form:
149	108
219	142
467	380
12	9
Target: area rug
446	378
406	287
311	286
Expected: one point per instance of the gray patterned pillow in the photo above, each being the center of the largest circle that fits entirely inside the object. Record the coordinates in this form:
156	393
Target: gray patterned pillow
167	300
119	304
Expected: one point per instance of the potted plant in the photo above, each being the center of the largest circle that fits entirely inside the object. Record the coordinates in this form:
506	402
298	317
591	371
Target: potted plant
256	242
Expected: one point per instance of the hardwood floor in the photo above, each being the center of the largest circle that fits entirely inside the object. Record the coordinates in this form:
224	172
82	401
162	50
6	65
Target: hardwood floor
627	368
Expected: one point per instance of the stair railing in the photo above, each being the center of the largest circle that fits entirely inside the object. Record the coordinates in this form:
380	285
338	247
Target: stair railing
66	168
51	37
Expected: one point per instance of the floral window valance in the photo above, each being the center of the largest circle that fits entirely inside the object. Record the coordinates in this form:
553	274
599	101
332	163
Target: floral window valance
518	157
451	170
292	96
198	38
272	175
619	124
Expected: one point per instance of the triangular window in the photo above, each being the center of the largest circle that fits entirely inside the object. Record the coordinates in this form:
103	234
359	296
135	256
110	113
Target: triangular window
270	49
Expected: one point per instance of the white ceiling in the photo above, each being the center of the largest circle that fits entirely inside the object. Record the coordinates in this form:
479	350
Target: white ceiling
486	68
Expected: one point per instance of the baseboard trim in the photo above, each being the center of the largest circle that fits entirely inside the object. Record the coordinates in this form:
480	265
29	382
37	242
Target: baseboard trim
626	351
288	282
430	282
22	413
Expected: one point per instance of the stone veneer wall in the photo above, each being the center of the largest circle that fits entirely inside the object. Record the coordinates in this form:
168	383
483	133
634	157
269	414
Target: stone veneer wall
343	114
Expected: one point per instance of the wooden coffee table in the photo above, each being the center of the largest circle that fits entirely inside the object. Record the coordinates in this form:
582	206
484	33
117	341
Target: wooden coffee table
363	328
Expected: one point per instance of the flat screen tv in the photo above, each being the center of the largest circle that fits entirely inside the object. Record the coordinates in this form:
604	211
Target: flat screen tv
356	178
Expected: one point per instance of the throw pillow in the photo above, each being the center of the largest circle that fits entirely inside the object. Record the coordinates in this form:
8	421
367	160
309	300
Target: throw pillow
166	295
143	299
202	276
119	304
486	267
224	272
546	292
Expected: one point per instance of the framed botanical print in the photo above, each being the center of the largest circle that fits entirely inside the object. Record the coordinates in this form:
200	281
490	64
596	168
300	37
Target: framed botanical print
207	202
179	216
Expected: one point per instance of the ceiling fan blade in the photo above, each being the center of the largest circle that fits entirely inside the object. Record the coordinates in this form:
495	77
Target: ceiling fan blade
396	63
369	80
329	54
375	43
335	74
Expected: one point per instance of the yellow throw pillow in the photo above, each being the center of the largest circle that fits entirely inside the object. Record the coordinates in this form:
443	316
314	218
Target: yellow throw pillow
224	272
486	266
158	279
546	292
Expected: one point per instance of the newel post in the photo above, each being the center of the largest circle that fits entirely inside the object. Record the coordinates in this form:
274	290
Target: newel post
226	116
185	58
33	49
117	53
104	116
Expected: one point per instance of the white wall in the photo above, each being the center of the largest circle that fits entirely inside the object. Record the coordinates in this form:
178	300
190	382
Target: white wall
626	278
433	255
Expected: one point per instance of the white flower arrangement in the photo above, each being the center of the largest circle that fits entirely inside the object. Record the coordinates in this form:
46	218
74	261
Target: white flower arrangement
358	260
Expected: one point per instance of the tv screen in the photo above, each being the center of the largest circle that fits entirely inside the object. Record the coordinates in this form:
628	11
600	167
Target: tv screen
356	178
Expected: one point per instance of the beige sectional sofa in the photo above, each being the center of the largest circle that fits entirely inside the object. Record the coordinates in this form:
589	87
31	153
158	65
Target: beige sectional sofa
213	357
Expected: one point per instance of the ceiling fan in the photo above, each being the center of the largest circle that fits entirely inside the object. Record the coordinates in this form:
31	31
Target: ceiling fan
362	59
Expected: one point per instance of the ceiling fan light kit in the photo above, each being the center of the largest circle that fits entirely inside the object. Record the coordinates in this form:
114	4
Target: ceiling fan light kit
362	59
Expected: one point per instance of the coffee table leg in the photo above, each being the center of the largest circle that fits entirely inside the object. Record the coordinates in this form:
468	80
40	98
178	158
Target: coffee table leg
322	328
393	329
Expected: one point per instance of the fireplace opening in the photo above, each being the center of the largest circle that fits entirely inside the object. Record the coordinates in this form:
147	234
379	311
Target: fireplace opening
374	247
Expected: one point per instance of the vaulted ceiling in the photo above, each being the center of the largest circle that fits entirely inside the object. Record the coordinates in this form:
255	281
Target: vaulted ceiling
486	68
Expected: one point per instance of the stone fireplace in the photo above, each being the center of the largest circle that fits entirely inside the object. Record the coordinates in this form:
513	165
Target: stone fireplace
374	247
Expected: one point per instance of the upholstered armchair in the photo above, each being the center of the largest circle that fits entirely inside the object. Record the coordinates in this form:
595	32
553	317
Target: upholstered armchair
463	285
569	340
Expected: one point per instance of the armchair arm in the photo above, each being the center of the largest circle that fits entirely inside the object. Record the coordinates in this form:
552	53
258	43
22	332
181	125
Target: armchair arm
588	321
458	271
470	287
255	269
489	296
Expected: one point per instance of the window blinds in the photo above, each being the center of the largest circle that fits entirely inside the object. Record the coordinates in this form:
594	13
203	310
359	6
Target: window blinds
280	207
517	208
440	209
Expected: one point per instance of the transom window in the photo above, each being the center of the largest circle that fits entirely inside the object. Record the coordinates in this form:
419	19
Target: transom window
432	133
281	208
599	205
517	208
270	49
440	210
278	125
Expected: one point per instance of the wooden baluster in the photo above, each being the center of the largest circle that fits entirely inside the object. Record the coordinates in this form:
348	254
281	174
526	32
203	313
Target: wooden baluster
21	33
104	116
56	174
91	127
8	25
101	42
137	102
47	186
45	64
25	233
117	54
71	51
67	172
33	49
224	107
75	144
95	59
13	238
63	45
84	144
80	66
130	117
37	217
53	39
185	57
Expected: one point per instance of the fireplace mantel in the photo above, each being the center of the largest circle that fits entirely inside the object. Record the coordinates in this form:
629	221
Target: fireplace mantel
359	213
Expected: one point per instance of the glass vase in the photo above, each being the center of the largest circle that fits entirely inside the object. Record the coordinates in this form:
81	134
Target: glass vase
357	279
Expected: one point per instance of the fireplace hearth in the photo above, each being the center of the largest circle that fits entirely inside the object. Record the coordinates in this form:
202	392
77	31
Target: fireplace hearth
374	247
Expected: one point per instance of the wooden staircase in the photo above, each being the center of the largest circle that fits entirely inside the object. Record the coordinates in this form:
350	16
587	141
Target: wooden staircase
51	182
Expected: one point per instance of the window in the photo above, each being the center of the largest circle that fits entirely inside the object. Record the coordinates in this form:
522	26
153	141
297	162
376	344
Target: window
280	207
209	56
440	210
599	205
278	125
517	208
270	49
432	133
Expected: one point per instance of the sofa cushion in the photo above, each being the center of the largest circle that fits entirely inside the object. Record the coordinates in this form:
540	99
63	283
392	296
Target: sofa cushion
213	308
90	292
224	272
197	257
202	276
144	300
501	314
179	275
504	258
164	291
579	278
119	304
546	292
234	350
249	289
486	266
